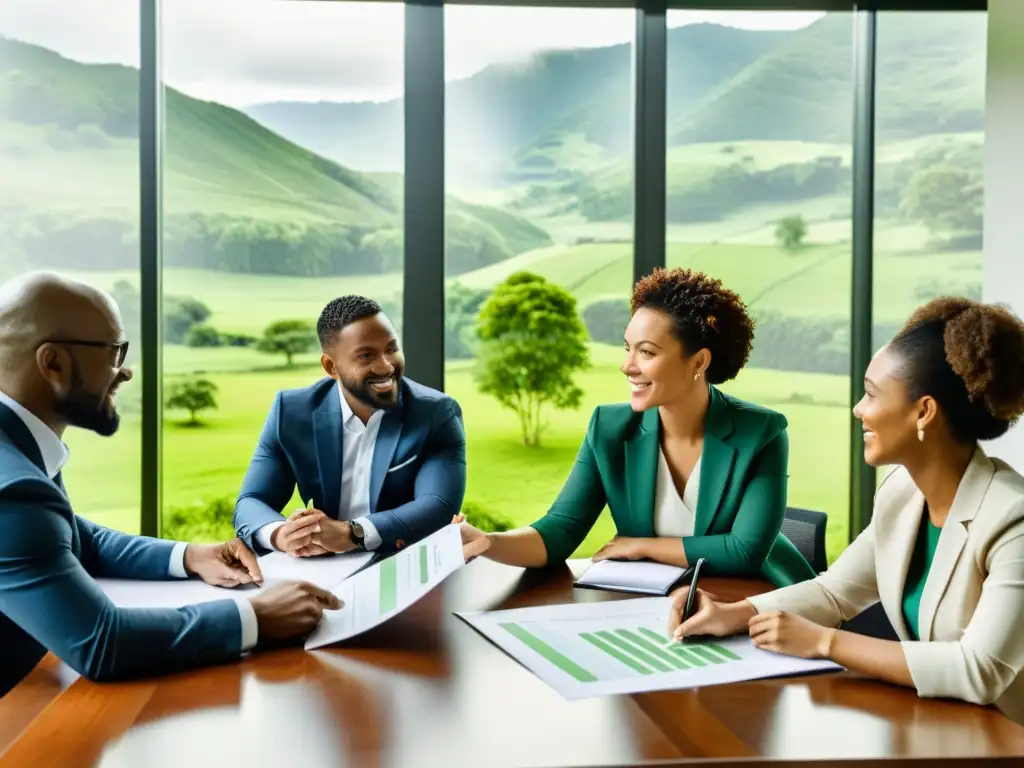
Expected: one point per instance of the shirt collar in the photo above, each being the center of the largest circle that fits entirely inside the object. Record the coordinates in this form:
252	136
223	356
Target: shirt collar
349	418
52	448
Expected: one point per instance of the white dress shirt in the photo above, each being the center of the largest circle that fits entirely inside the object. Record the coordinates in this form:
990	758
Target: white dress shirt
675	516
55	455
356	464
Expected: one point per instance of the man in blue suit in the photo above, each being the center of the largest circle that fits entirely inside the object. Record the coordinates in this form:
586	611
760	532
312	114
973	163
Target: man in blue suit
381	458
61	361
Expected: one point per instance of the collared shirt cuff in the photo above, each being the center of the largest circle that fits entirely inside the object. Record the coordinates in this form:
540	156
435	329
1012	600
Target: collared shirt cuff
265	534
250	626
176	568
371	538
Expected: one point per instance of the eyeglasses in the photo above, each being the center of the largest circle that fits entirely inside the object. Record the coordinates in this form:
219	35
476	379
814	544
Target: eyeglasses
120	346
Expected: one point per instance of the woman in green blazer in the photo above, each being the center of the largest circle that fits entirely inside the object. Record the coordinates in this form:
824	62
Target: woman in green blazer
687	471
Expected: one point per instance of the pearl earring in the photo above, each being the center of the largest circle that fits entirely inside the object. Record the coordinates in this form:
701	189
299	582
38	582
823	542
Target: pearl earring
920	434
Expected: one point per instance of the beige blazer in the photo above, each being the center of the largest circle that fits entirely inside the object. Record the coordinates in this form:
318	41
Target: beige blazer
972	608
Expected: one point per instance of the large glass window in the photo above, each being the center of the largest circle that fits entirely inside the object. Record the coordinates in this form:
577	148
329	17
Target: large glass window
283	190
759	134
539	112
69	196
929	137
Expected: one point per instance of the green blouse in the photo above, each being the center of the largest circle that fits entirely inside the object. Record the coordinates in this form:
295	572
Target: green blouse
917	574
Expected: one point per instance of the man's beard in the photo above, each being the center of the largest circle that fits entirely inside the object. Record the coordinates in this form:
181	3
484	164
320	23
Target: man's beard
87	410
363	392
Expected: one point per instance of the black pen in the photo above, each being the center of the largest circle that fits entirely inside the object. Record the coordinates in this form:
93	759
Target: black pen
691	597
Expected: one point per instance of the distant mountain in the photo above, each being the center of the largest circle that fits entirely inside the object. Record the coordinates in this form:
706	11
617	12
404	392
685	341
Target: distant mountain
238	196
569	110
498	117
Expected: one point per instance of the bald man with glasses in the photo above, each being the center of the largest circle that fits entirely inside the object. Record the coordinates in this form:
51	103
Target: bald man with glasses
62	361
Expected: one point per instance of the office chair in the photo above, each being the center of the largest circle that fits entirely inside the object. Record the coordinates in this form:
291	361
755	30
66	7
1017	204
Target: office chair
806	529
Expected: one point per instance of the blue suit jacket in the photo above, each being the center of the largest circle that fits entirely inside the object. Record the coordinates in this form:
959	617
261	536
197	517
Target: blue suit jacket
49	599
417	479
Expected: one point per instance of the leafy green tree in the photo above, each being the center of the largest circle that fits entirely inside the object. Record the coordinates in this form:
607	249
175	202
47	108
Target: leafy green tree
790	232
945	198
203	335
194	396
180	314
462	305
288	337
533	343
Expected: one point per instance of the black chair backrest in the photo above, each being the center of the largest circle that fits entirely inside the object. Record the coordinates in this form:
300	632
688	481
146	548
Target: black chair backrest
806	529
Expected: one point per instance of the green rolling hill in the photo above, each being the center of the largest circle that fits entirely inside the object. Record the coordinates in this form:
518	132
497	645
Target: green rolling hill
238	197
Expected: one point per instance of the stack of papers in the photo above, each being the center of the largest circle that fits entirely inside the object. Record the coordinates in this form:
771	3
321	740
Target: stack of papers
637	576
371	593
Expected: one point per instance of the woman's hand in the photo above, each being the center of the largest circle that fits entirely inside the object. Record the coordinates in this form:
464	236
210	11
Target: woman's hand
622	548
783	632
710	617
474	541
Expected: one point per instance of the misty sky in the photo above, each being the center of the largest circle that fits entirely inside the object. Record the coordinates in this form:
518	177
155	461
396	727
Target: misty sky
240	52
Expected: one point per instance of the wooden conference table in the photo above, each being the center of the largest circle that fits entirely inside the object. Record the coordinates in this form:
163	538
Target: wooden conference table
426	689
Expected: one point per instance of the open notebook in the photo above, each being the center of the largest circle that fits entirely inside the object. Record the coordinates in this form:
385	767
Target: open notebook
639	576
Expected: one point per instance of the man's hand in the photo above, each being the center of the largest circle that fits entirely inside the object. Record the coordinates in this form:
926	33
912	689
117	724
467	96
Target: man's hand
223	565
334	536
291	610
296	535
622	548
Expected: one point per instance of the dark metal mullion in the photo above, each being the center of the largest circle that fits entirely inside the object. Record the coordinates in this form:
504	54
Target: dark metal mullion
151	127
424	236
650	66
862	476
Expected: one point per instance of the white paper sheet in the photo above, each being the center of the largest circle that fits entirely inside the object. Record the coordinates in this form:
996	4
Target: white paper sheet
637	576
598	649
326	571
374	595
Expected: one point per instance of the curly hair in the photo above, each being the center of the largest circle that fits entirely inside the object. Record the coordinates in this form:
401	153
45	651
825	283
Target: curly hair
343	311
705	315
969	356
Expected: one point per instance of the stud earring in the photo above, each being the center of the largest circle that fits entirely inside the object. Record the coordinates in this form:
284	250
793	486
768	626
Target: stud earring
696	375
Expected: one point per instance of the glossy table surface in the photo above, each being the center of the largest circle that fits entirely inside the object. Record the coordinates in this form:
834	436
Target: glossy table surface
426	689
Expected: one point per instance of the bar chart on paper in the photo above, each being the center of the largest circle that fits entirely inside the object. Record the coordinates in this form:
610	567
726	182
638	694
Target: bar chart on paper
594	649
375	594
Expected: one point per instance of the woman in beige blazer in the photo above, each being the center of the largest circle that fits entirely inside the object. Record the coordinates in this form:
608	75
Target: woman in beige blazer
944	552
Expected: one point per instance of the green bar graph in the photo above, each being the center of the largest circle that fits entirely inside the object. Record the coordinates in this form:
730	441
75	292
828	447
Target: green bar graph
724	651
708	655
388	585
655	650
424	575
634	651
616	654
561	661
687	655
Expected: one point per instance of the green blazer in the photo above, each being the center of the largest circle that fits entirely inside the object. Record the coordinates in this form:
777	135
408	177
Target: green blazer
741	501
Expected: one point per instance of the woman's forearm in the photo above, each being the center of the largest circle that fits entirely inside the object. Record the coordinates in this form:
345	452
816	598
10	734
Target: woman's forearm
523	547
882	659
667	550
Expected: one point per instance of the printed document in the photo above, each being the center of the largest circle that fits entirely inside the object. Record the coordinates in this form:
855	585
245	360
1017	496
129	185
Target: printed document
374	595
598	649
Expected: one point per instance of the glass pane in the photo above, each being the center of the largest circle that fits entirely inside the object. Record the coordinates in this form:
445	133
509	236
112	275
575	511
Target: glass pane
759	148
539	166
69	197
283	190
929	167
929	135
